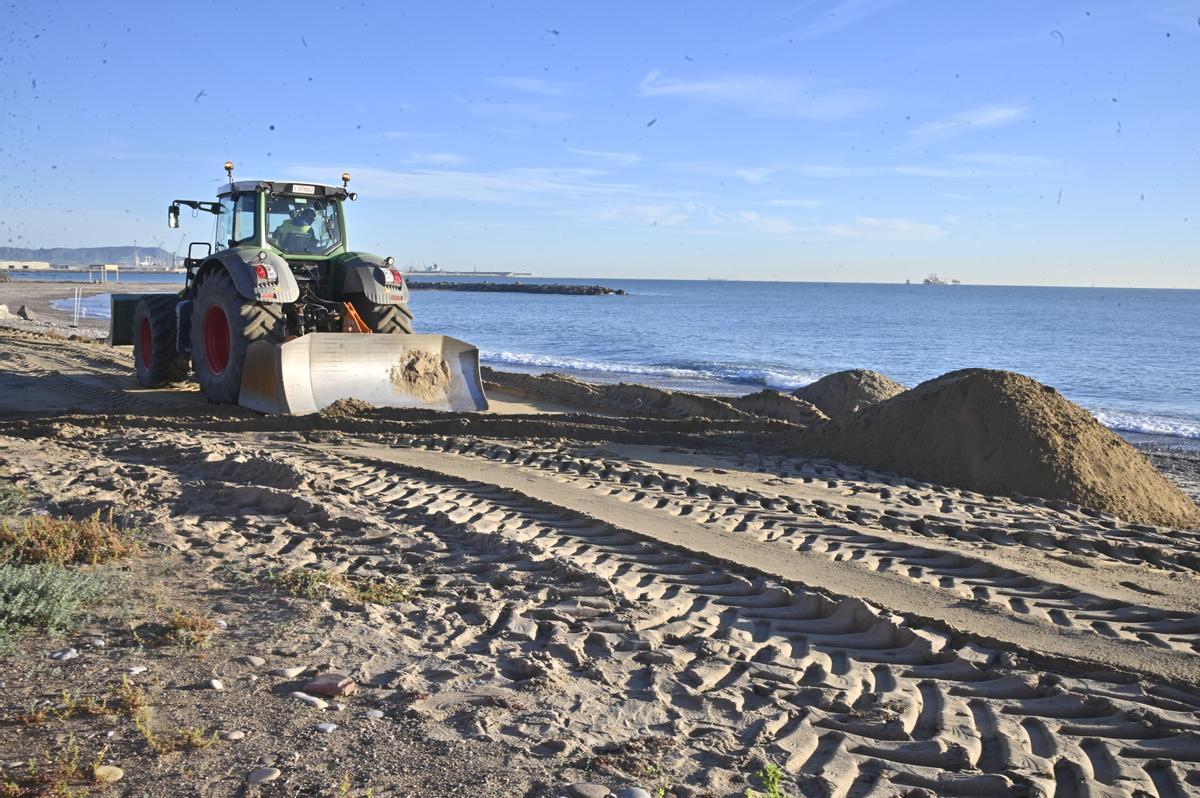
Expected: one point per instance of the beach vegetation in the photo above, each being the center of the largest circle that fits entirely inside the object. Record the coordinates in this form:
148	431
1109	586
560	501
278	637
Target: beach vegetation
316	584
770	778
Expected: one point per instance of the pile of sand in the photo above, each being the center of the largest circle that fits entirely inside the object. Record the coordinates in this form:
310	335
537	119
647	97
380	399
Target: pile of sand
1002	433
844	393
773	404
622	398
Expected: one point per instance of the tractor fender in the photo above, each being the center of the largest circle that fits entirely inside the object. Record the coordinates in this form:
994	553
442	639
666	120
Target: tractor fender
241	264
364	273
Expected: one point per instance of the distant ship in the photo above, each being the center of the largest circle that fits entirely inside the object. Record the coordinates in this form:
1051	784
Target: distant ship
933	279
438	271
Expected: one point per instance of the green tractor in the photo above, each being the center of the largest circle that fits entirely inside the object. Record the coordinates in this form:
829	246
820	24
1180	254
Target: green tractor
280	316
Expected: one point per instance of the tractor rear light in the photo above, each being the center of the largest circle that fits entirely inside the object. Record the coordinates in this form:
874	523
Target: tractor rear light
397	277
261	271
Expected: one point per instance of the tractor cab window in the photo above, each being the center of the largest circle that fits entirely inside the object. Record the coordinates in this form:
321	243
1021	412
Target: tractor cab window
245	212
303	225
224	231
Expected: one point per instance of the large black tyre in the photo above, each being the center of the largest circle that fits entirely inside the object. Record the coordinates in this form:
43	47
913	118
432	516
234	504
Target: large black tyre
155	355
386	319
224	324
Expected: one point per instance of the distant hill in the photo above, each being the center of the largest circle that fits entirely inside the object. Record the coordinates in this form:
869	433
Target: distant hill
83	256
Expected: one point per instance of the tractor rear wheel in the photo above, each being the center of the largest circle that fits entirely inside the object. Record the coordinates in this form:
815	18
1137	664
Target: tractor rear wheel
386	319
155	356
224	324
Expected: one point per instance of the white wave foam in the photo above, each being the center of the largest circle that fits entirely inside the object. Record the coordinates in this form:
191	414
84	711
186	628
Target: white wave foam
780	380
92	307
1148	424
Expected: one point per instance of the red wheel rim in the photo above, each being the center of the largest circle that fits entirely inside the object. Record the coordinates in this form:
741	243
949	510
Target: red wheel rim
215	334
146	341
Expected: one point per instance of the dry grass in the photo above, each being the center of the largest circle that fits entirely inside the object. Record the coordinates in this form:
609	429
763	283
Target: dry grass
37	539
50	775
316	584
177	627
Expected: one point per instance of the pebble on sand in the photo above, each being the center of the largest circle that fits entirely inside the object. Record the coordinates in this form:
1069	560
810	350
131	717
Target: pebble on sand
310	700
326	728
289	673
230	736
136	669
632	792
261	775
107	774
374	713
588	790
252	660
64	654
330	684
216	684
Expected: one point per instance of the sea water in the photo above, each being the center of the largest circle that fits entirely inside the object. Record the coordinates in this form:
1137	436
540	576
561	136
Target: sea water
1131	356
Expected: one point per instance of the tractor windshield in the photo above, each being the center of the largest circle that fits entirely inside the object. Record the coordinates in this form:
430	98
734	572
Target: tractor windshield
304	225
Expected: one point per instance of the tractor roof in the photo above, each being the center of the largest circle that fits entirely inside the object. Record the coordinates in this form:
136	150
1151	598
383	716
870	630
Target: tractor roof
296	189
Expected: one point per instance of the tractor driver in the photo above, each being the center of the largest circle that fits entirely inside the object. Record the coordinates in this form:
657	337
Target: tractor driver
298	225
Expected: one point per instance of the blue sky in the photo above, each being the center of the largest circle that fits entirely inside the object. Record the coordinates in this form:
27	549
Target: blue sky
865	140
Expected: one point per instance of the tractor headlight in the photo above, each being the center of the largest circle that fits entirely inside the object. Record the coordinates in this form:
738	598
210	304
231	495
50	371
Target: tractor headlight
390	261
262	254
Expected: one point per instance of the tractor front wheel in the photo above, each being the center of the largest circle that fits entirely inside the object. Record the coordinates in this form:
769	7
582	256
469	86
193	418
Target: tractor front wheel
224	324
386	319
155	357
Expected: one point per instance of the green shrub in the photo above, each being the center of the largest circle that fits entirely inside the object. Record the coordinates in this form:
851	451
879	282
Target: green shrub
43	597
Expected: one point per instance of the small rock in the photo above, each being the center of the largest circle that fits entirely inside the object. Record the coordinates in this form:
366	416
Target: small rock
326	728
632	792
64	654
25	313
331	684
96	642
230	736
339	707
252	661
221	624
262	775
374	713
136	669
216	684
289	673
310	700
107	774
588	790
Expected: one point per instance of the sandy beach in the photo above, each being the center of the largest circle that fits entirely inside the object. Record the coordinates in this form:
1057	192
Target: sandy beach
593	600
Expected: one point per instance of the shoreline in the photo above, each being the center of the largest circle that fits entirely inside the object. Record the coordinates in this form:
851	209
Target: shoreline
38	294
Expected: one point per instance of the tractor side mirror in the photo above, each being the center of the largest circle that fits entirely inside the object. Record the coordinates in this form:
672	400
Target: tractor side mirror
173	216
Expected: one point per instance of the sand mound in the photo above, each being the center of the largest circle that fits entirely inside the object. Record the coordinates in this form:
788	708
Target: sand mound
622	398
1003	433
773	404
844	393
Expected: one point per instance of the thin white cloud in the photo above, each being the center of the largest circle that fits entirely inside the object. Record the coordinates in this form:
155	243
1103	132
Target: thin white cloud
766	224
892	229
842	15
643	213
532	111
501	186
757	175
982	117
762	94
546	88
802	202
437	158
1008	161
405	135
621	158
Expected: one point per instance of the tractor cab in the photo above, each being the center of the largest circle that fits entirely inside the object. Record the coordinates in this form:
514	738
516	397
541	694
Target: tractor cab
294	219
